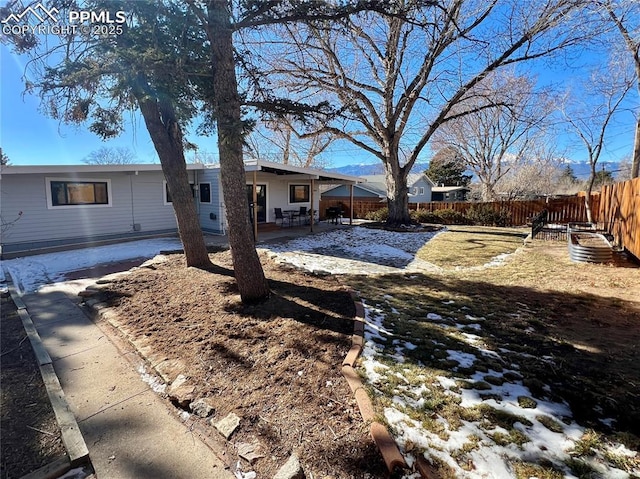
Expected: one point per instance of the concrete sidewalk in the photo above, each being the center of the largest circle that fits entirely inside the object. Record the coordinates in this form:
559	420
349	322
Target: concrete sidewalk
130	432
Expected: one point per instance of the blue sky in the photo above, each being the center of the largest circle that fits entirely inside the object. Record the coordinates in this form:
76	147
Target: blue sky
28	137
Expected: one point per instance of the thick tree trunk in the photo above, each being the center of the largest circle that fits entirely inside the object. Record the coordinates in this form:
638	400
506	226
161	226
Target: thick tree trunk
487	193
397	194
250	278
167	139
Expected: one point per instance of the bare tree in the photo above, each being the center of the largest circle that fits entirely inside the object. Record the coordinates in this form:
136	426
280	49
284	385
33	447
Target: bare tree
110	156
536	176
590	115
496	138
625	15
204	157
280	141
395	79
623	172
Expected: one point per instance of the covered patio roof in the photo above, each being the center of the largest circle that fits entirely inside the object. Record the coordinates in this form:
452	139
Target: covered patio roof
319	176
296	172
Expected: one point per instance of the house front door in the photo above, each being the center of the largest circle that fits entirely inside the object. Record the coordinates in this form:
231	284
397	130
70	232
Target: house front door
261	203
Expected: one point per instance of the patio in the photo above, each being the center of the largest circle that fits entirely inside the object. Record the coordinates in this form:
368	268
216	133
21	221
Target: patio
271	232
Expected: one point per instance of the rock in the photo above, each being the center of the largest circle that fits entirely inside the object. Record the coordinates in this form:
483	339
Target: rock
201	407
227	425
87	293
291	469
181	392
167	368
249	452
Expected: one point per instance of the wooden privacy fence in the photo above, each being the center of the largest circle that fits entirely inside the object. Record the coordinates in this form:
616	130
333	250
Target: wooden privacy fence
616	209
561	210
360	208
618	212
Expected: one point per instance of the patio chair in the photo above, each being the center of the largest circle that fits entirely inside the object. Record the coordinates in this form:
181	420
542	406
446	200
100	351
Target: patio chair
283	219
302	215
334	214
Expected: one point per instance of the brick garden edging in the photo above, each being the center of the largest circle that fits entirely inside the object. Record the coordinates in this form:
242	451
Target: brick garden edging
385	443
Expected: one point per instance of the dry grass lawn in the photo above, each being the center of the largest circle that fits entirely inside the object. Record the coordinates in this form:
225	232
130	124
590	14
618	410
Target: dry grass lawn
572	332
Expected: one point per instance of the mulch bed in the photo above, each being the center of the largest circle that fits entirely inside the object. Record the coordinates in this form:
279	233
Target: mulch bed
277	364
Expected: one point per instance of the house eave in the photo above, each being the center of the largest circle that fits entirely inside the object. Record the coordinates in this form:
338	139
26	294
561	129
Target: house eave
310	173
69	169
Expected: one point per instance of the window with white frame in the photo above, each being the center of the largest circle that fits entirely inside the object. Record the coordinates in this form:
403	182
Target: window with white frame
299	193
72	193
422	190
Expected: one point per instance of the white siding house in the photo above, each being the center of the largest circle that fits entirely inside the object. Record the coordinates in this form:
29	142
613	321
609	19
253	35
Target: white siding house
52	206
420	188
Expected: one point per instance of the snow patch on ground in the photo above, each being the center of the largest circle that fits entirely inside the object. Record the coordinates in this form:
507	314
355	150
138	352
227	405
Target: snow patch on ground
483	457
370	251
356	250
30	273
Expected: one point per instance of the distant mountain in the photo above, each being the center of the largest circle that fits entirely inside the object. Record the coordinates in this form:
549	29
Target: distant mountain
372	169
580	169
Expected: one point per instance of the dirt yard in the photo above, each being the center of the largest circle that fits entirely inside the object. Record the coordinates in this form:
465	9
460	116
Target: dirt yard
276	365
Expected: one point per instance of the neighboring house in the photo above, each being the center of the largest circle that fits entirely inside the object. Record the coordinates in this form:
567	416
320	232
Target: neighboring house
449	194
374	192
76	204
420	187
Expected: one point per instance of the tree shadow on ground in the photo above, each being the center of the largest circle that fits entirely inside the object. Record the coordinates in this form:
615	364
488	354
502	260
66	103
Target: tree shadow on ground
583	347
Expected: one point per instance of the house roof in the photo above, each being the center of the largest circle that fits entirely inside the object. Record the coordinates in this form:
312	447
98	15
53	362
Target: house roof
377	189
251	165
448	189
376	183
413	178
311	173
35	169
